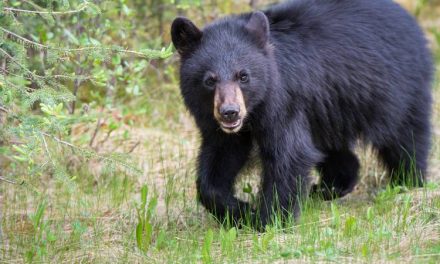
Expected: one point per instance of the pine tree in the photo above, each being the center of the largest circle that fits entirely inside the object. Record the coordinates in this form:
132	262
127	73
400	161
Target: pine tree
48	50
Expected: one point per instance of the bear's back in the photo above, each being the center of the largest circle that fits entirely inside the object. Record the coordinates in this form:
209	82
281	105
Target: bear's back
359	65
339	33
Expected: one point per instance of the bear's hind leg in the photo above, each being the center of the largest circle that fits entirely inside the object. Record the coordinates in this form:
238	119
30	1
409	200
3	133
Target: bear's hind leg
406	157
406	165
339	175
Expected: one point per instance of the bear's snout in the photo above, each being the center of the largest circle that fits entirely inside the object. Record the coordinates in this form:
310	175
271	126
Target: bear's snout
229	107
230	112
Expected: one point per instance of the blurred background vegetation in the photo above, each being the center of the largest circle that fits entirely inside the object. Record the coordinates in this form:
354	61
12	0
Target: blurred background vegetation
91	116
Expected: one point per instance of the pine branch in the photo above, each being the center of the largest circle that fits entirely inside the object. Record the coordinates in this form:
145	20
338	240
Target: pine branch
81	8
91	153
24	40
31	74
146	53
72	78
29	89
81	78
42	82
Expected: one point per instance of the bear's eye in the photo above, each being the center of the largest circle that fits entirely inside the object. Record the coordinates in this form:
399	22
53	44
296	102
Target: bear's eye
210	81
244	77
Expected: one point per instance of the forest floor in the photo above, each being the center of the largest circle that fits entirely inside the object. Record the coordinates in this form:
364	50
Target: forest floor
95	220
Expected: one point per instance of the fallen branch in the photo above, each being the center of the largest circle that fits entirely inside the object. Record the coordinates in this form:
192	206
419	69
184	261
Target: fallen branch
3	109
10	181
98	126
134	147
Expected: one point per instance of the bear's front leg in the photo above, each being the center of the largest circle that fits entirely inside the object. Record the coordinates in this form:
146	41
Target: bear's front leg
288	156
221	158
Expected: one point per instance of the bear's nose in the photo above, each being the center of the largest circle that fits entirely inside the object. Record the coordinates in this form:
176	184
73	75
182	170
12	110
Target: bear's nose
230	112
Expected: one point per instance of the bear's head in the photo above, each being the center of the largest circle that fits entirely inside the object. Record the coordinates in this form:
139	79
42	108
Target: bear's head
225	68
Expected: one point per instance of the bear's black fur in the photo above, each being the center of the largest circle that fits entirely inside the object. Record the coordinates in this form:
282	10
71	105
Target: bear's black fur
315	76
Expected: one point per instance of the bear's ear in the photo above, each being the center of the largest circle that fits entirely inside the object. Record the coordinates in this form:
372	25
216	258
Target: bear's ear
185	35
258	26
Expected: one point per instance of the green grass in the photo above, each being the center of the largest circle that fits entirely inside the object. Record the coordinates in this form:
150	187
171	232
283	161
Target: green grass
103	218
96	221
392	225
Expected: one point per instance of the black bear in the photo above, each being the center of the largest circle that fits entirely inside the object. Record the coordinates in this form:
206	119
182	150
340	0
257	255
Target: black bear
304	80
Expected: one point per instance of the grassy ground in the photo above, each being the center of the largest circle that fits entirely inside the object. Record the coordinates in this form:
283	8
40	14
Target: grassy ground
95	220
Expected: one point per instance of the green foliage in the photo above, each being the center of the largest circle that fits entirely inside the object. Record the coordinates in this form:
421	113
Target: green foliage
248	190
264	241
52	53
43	236
420	4
145	213
227	239
207	246
336	216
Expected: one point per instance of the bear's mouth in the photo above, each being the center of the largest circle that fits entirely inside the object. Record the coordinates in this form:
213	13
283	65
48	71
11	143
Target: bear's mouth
231	127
